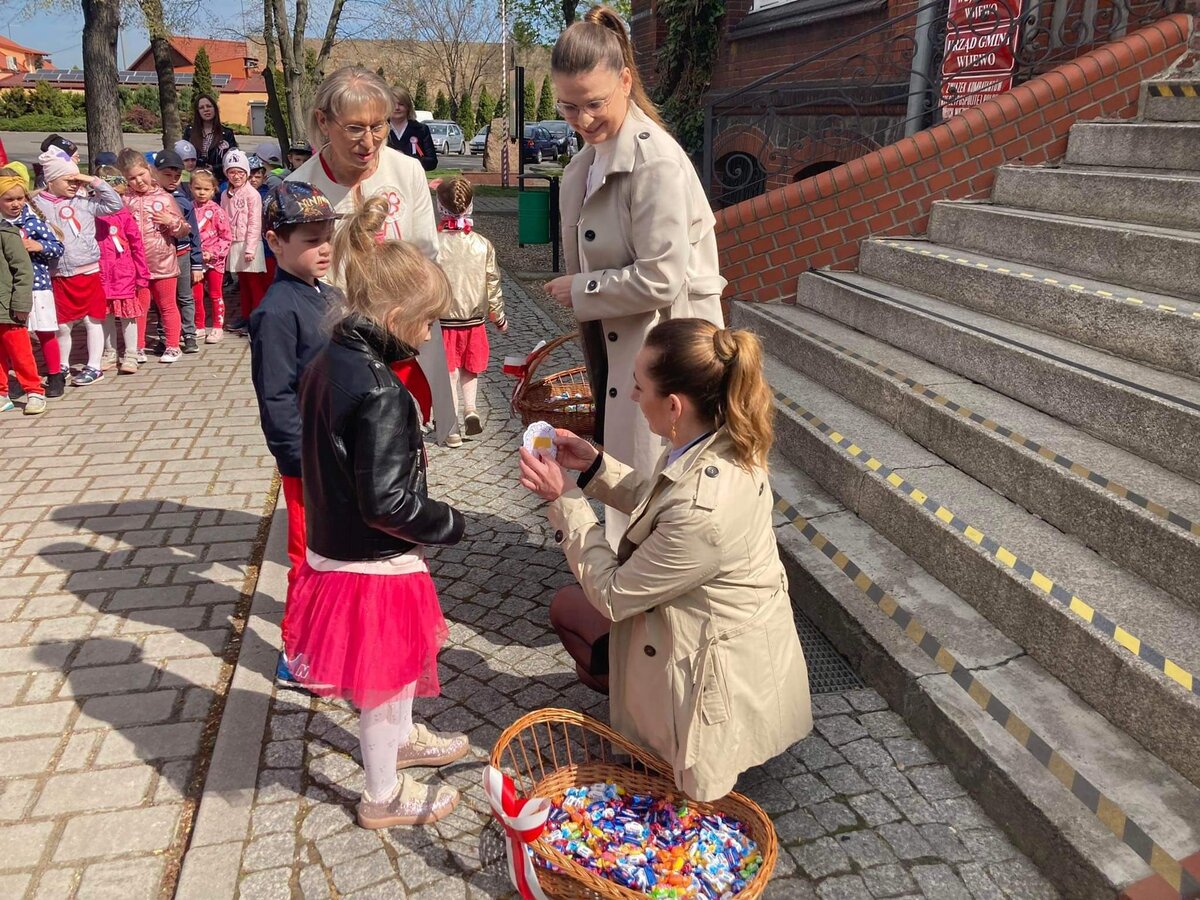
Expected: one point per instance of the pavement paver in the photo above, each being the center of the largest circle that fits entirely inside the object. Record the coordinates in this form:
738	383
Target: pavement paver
116	522
122	594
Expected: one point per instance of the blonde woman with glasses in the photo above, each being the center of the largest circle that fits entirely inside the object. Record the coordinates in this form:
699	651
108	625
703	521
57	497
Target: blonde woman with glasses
349	125
637	229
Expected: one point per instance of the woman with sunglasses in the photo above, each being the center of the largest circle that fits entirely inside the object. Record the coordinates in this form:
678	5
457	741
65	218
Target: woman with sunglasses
637	230
350	124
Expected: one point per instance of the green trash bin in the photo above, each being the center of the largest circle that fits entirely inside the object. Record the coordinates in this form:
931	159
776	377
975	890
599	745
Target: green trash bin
533	217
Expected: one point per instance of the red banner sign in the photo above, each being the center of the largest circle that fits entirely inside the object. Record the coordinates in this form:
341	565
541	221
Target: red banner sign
981	44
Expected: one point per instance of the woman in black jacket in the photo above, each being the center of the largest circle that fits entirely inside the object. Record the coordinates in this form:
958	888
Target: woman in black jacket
409	136
362	619
211	139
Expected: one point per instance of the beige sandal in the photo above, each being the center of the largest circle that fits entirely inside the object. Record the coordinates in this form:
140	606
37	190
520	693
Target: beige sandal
412	803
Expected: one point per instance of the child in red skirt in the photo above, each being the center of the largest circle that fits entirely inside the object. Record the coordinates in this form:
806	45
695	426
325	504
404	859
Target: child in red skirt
70	204
160	222
123	270
363	620
469	262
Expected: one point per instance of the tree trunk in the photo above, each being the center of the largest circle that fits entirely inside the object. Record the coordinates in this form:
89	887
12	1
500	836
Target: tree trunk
101	23
160	47
293	62
274	111
568	11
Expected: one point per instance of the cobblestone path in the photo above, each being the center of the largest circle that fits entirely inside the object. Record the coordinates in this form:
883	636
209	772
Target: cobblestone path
124	564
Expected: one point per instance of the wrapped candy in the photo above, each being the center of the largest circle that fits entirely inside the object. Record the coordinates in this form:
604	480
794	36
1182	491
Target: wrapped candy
652	846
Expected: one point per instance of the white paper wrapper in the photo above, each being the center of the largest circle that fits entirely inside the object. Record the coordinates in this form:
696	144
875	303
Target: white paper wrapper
539	438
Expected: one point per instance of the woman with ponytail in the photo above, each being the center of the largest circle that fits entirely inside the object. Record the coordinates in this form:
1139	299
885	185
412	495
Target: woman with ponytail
688	625
637	228
363	620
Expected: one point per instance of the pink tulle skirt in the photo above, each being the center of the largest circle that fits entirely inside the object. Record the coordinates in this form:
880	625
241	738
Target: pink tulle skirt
364	637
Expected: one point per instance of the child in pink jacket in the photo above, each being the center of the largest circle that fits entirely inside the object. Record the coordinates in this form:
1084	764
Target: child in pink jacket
215	238
123	270
160	222
243	204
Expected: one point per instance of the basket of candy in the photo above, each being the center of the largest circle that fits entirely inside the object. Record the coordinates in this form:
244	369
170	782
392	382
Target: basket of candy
564	399
617	826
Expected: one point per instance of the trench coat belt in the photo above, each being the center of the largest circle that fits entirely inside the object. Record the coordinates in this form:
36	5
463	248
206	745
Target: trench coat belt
702	664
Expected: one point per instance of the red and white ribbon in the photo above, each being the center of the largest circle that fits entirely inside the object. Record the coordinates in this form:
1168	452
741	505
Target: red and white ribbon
523	819
68	215
393	214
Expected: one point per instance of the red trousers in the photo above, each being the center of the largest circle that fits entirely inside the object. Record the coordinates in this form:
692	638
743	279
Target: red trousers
293	496
16	353
162	292
210	283
252	286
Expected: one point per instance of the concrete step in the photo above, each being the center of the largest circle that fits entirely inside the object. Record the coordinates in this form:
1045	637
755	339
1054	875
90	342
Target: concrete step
1154	414
1052	825
1166	199
1171	100
1143	145
1139	515
1137	256
1152	328
1043	589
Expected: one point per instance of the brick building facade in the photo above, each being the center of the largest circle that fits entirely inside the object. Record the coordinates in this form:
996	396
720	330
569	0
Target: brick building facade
801	86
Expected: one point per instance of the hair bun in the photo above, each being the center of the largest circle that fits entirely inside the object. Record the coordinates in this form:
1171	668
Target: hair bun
725	345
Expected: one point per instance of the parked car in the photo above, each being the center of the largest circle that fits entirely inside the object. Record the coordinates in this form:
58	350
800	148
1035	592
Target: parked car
563	134
480	140
538	144
448	137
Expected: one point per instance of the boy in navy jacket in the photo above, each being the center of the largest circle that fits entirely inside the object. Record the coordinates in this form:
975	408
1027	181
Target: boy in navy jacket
286	331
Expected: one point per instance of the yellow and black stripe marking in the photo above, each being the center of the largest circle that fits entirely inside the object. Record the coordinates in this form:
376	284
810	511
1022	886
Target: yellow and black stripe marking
1096	619
1174	89
965	259
1103	481
1105	809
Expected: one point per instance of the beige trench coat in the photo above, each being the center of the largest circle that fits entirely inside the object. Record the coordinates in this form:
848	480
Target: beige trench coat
705	666
642	250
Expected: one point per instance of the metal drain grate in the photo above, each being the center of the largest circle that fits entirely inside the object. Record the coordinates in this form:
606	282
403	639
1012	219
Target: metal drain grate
828	671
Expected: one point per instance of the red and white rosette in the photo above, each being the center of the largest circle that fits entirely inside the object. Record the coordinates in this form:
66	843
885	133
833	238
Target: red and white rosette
392	223
71	218
523	819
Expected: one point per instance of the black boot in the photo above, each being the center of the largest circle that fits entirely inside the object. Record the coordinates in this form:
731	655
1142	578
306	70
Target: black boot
56	383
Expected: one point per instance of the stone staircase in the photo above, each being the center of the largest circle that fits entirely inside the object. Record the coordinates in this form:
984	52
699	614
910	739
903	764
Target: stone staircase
988	469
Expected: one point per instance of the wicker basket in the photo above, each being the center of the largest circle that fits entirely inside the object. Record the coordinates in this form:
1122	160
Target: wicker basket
542	399
550	750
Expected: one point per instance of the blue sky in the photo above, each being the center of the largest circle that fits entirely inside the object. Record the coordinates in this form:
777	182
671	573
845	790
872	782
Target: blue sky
59	33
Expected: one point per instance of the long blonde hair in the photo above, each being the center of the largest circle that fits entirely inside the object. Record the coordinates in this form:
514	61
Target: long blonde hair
600	39
391	283
720	370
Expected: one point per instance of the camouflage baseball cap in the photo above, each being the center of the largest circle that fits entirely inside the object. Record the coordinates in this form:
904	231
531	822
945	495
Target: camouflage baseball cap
295	203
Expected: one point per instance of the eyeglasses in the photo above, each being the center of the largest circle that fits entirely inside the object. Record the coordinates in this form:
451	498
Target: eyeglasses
358	132
593	108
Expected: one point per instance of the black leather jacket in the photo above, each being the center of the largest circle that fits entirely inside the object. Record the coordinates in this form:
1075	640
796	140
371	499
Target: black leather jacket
363	457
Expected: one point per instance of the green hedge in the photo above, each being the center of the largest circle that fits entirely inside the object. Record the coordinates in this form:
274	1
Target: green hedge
44	123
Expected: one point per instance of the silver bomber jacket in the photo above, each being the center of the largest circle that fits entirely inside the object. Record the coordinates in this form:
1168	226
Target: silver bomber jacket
469	261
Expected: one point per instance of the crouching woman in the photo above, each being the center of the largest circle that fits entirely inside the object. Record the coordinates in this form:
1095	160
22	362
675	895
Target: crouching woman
688	624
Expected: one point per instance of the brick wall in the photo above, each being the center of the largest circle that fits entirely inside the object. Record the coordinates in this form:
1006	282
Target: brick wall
767	242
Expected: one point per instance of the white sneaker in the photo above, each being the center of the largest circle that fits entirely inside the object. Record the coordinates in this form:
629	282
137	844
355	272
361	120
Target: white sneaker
170	355
141	356
200	333
454	440
109	359
214	336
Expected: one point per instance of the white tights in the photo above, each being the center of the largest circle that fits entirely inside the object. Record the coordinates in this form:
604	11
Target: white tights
468	383
381	731
94	331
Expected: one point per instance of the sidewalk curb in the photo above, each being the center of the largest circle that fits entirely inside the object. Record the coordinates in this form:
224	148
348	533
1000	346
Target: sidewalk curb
222	826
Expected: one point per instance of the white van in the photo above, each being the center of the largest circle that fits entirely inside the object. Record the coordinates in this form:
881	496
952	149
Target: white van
423	115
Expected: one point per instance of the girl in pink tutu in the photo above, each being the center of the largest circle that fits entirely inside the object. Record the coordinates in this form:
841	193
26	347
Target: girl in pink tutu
363	620
469	262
